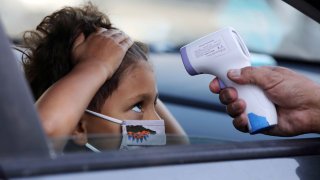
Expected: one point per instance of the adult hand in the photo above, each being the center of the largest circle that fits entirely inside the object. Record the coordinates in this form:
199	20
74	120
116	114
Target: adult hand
297	99
104	48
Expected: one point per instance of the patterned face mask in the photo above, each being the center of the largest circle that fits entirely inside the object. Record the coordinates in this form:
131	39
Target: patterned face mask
136	133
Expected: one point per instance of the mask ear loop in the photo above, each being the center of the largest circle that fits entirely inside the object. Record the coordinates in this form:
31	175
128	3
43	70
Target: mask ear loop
92	148
104	117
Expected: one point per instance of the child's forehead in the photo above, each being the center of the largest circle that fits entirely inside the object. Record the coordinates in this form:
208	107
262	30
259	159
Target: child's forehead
140	77
139	65
141	70
138	84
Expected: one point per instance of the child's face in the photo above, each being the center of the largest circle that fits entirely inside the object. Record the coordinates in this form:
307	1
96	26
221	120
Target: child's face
134	98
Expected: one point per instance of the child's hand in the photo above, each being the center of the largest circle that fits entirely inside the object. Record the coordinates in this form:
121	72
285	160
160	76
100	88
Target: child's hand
103	49
96	58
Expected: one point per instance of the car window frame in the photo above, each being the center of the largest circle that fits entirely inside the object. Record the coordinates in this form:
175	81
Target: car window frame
12	165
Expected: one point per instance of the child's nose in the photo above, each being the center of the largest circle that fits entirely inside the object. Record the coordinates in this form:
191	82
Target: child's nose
153	115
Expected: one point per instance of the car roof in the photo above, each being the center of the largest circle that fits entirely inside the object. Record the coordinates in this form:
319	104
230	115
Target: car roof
310	8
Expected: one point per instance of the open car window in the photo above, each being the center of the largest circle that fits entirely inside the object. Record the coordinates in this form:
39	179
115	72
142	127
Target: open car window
275	33
270	29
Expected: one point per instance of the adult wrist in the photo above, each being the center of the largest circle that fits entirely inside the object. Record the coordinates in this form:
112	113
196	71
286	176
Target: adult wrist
316	114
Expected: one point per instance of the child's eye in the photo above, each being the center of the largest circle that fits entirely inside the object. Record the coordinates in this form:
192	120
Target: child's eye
137	108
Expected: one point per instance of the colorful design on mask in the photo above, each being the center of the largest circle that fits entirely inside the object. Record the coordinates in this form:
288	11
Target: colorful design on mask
139	133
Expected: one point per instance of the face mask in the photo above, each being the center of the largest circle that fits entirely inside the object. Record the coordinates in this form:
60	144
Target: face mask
136	133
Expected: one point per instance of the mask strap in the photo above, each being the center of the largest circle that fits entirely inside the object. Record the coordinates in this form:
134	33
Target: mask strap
92	148
104	117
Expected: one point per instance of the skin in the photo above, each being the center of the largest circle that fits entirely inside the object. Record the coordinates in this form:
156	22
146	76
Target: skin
130	100
61	107
93	66
297	99
136	98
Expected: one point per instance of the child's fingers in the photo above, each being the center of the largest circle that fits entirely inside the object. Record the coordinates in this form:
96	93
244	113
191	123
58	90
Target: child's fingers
104	32
79	40
110	32
101	30
126	43
119	37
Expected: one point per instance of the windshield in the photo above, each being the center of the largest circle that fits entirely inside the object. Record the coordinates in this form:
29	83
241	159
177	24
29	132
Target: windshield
267	26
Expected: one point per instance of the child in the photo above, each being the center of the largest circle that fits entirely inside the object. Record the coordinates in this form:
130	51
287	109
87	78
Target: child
78	60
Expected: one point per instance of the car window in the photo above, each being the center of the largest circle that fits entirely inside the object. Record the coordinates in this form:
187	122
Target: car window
275	33
268	27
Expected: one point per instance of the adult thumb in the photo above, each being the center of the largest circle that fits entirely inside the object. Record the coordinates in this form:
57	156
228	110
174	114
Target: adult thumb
260	76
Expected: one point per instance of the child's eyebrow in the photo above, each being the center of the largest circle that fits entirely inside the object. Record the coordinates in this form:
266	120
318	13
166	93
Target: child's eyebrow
144	96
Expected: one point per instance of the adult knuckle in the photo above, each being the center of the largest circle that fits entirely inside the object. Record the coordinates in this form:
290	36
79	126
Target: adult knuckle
231	111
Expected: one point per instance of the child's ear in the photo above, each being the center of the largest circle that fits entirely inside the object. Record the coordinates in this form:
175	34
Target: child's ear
80	133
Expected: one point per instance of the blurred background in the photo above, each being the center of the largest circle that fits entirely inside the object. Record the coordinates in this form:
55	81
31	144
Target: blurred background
267	26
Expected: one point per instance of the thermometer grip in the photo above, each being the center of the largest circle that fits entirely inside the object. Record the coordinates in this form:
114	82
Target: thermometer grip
260	111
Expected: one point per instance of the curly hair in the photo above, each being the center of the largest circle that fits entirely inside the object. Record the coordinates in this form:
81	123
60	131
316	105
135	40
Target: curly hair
48	57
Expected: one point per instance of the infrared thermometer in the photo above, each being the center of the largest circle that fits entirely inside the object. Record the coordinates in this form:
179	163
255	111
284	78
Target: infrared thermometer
220	51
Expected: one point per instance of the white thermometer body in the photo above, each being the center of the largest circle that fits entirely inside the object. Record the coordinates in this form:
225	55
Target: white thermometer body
219	52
